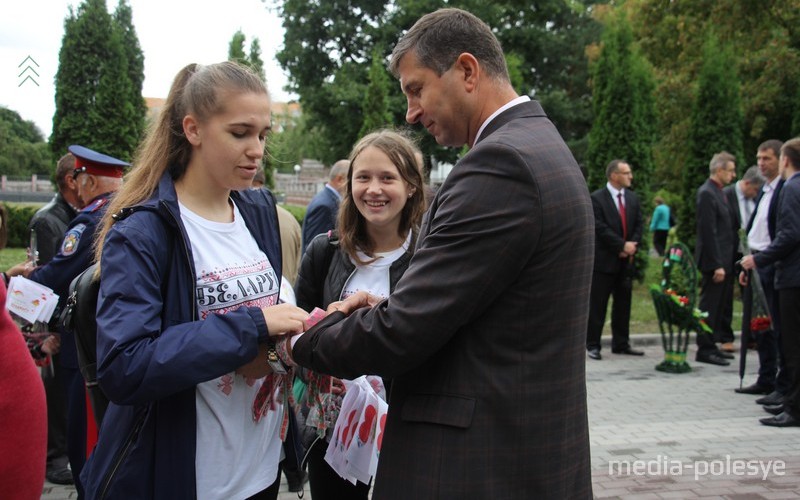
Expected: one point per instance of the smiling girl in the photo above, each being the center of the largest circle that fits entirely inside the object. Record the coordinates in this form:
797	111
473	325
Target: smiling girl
380	214
191	267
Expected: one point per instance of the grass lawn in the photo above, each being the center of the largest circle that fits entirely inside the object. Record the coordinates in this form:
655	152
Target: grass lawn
11	256
643	314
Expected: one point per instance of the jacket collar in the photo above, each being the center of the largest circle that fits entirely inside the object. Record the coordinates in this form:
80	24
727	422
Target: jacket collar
522	110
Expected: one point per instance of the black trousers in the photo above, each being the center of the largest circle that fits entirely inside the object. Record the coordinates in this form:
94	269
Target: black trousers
660	241
56	415
604	286
713	297
325	483
789	299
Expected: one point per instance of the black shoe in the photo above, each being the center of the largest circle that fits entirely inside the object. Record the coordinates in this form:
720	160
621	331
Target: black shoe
723	354
594	353
781	420
711	358
59	476
775	410
296	480
773	398
753	389
629	351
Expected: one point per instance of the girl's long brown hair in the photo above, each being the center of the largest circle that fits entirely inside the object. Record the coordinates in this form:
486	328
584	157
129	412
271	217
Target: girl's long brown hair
197	90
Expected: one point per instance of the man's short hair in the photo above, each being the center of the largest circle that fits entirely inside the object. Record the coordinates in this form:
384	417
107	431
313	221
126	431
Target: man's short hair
438	38
339	168
719	160
753	176
64	167
613	166
773	144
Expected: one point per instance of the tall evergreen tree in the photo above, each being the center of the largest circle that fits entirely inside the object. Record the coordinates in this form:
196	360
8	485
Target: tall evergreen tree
254	59
622	101
93	86
716	125
236	48
123	18
376	105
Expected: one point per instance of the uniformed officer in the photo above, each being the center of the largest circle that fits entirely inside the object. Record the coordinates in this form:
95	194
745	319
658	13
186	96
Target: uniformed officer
97	176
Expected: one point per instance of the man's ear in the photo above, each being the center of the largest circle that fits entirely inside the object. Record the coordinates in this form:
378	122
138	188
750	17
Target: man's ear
191	130
470	69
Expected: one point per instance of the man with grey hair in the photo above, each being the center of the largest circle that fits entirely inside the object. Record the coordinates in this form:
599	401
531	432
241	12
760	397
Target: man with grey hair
715	252
321	213
740	197
484	335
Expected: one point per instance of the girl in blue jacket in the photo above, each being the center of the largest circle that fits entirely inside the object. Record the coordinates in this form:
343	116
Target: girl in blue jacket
190	279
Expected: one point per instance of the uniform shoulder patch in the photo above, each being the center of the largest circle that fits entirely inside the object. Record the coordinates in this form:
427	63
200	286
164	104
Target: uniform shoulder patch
72	239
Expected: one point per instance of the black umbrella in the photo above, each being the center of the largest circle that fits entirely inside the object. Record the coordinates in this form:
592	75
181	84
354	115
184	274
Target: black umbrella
755	316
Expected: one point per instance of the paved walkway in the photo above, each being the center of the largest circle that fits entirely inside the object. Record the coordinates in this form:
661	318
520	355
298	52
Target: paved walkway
657	436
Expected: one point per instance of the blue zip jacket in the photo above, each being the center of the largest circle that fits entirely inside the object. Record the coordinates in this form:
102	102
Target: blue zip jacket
152	349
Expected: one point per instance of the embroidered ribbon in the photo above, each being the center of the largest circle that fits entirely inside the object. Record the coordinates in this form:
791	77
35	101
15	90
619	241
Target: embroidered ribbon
265	402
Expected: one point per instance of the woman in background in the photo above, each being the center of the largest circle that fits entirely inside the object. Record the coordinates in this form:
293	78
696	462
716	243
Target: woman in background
660	225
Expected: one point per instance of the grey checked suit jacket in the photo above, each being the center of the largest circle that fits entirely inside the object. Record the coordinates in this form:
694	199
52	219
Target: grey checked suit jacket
484	336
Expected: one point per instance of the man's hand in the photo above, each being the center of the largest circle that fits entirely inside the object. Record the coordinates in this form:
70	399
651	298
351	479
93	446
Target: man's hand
719	275
748	262
744	279
22	269
353	302
630	248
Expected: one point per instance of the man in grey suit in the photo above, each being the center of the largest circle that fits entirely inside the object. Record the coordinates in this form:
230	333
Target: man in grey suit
616	242
484	335
715	251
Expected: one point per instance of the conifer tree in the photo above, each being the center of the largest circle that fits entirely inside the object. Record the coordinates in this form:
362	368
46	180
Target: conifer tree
123	17
254	58
236	48
716	125
94	103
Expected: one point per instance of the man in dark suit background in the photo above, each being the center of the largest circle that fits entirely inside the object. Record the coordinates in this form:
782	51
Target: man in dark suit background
321	213
616	240
484	334
740	197
773	377
715	251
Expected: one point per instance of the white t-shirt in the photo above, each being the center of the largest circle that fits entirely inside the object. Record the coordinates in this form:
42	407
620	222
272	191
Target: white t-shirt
236	457
374	277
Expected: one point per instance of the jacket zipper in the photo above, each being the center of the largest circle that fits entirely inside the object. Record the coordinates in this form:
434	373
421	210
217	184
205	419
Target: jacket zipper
124	453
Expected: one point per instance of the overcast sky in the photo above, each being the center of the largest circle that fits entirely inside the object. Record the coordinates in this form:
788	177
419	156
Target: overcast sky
172	33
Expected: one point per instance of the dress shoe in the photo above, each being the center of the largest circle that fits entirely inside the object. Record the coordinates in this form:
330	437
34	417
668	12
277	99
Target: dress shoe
773	398
773	409
594	353
727	347
711	358
629	351
781	420
753	389
59	476
724	355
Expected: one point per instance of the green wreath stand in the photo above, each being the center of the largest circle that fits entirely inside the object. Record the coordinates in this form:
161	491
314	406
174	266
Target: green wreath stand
675	300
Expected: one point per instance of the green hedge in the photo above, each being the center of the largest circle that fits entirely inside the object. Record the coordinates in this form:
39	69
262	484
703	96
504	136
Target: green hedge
298	211
17	225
